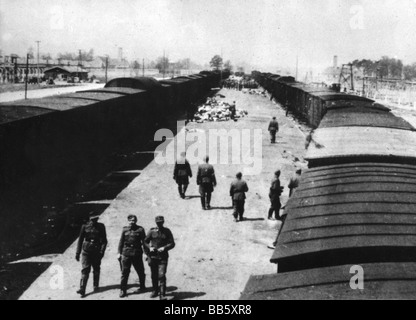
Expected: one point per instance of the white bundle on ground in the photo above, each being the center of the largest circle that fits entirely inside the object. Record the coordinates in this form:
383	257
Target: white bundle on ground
214	110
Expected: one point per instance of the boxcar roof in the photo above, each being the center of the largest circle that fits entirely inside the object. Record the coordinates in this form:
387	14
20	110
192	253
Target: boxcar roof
363	116
21	109
339	142
351	213
381	281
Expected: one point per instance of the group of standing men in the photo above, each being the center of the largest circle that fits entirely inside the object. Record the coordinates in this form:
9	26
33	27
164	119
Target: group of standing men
133	243
207	181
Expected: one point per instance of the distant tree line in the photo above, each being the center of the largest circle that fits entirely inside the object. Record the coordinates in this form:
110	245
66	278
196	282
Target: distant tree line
386	67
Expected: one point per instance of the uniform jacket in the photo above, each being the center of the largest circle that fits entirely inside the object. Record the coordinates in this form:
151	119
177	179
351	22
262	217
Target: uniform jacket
182	169
206	174
238	189
92	239
273	126
158	238
131	241
275	189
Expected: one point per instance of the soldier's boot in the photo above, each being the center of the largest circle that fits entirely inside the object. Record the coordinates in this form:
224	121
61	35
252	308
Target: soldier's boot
209	201
203	201
270	215
83	285
185	187
180	190
155	288
123	293
162	295
96	282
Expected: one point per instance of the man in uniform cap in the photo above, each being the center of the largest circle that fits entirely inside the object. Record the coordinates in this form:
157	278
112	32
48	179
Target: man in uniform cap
206	181
273	129
130	251
92	243
274	195
181	173
238	191
158	242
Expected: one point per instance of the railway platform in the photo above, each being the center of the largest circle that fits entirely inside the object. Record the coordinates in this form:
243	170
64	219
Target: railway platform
214	256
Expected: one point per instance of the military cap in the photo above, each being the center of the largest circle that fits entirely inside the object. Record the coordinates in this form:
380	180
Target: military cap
160	219
132	216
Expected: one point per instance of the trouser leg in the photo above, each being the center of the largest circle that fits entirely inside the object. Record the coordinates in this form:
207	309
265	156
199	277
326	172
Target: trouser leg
180	189
139	267
97	270
208	198
271	210
154	269
235	207
162	277
85	272
185	187
241	209
203	199
126	266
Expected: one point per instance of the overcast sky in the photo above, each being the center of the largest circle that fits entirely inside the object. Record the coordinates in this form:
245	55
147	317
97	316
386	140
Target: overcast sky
264	33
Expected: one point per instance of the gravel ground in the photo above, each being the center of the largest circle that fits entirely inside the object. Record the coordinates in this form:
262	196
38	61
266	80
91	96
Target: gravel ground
214	256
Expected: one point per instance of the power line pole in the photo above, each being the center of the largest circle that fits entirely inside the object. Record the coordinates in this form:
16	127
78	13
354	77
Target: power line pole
106	67
143	66
297	66
38	62
27	74
164	61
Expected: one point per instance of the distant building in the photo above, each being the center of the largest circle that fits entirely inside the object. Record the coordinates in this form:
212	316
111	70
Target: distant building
64	73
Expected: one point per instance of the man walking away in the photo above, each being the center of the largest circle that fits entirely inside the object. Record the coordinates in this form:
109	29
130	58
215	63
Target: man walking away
130	252
273	129
206	181
158	242
238	191
92	243
181	173
274	195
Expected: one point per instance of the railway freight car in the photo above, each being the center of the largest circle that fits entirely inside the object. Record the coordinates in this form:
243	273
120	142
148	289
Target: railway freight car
53	141
355	208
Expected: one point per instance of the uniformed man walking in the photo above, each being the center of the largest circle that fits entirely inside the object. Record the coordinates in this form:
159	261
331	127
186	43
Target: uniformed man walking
130	252
274	195
237	192
158	242
206	181
273	129
181	174
92	243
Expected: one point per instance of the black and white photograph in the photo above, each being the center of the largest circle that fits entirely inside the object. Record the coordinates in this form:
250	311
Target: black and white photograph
222	151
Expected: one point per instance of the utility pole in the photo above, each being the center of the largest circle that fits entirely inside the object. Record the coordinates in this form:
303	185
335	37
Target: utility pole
164	61
106	67
297	67
143	66
38	62
27	74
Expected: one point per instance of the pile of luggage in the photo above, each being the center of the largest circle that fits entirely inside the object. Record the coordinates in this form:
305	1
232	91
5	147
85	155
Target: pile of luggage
214	110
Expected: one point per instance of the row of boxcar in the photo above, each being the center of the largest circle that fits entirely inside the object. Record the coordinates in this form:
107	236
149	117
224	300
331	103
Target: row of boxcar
353	216
63	137
308	103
